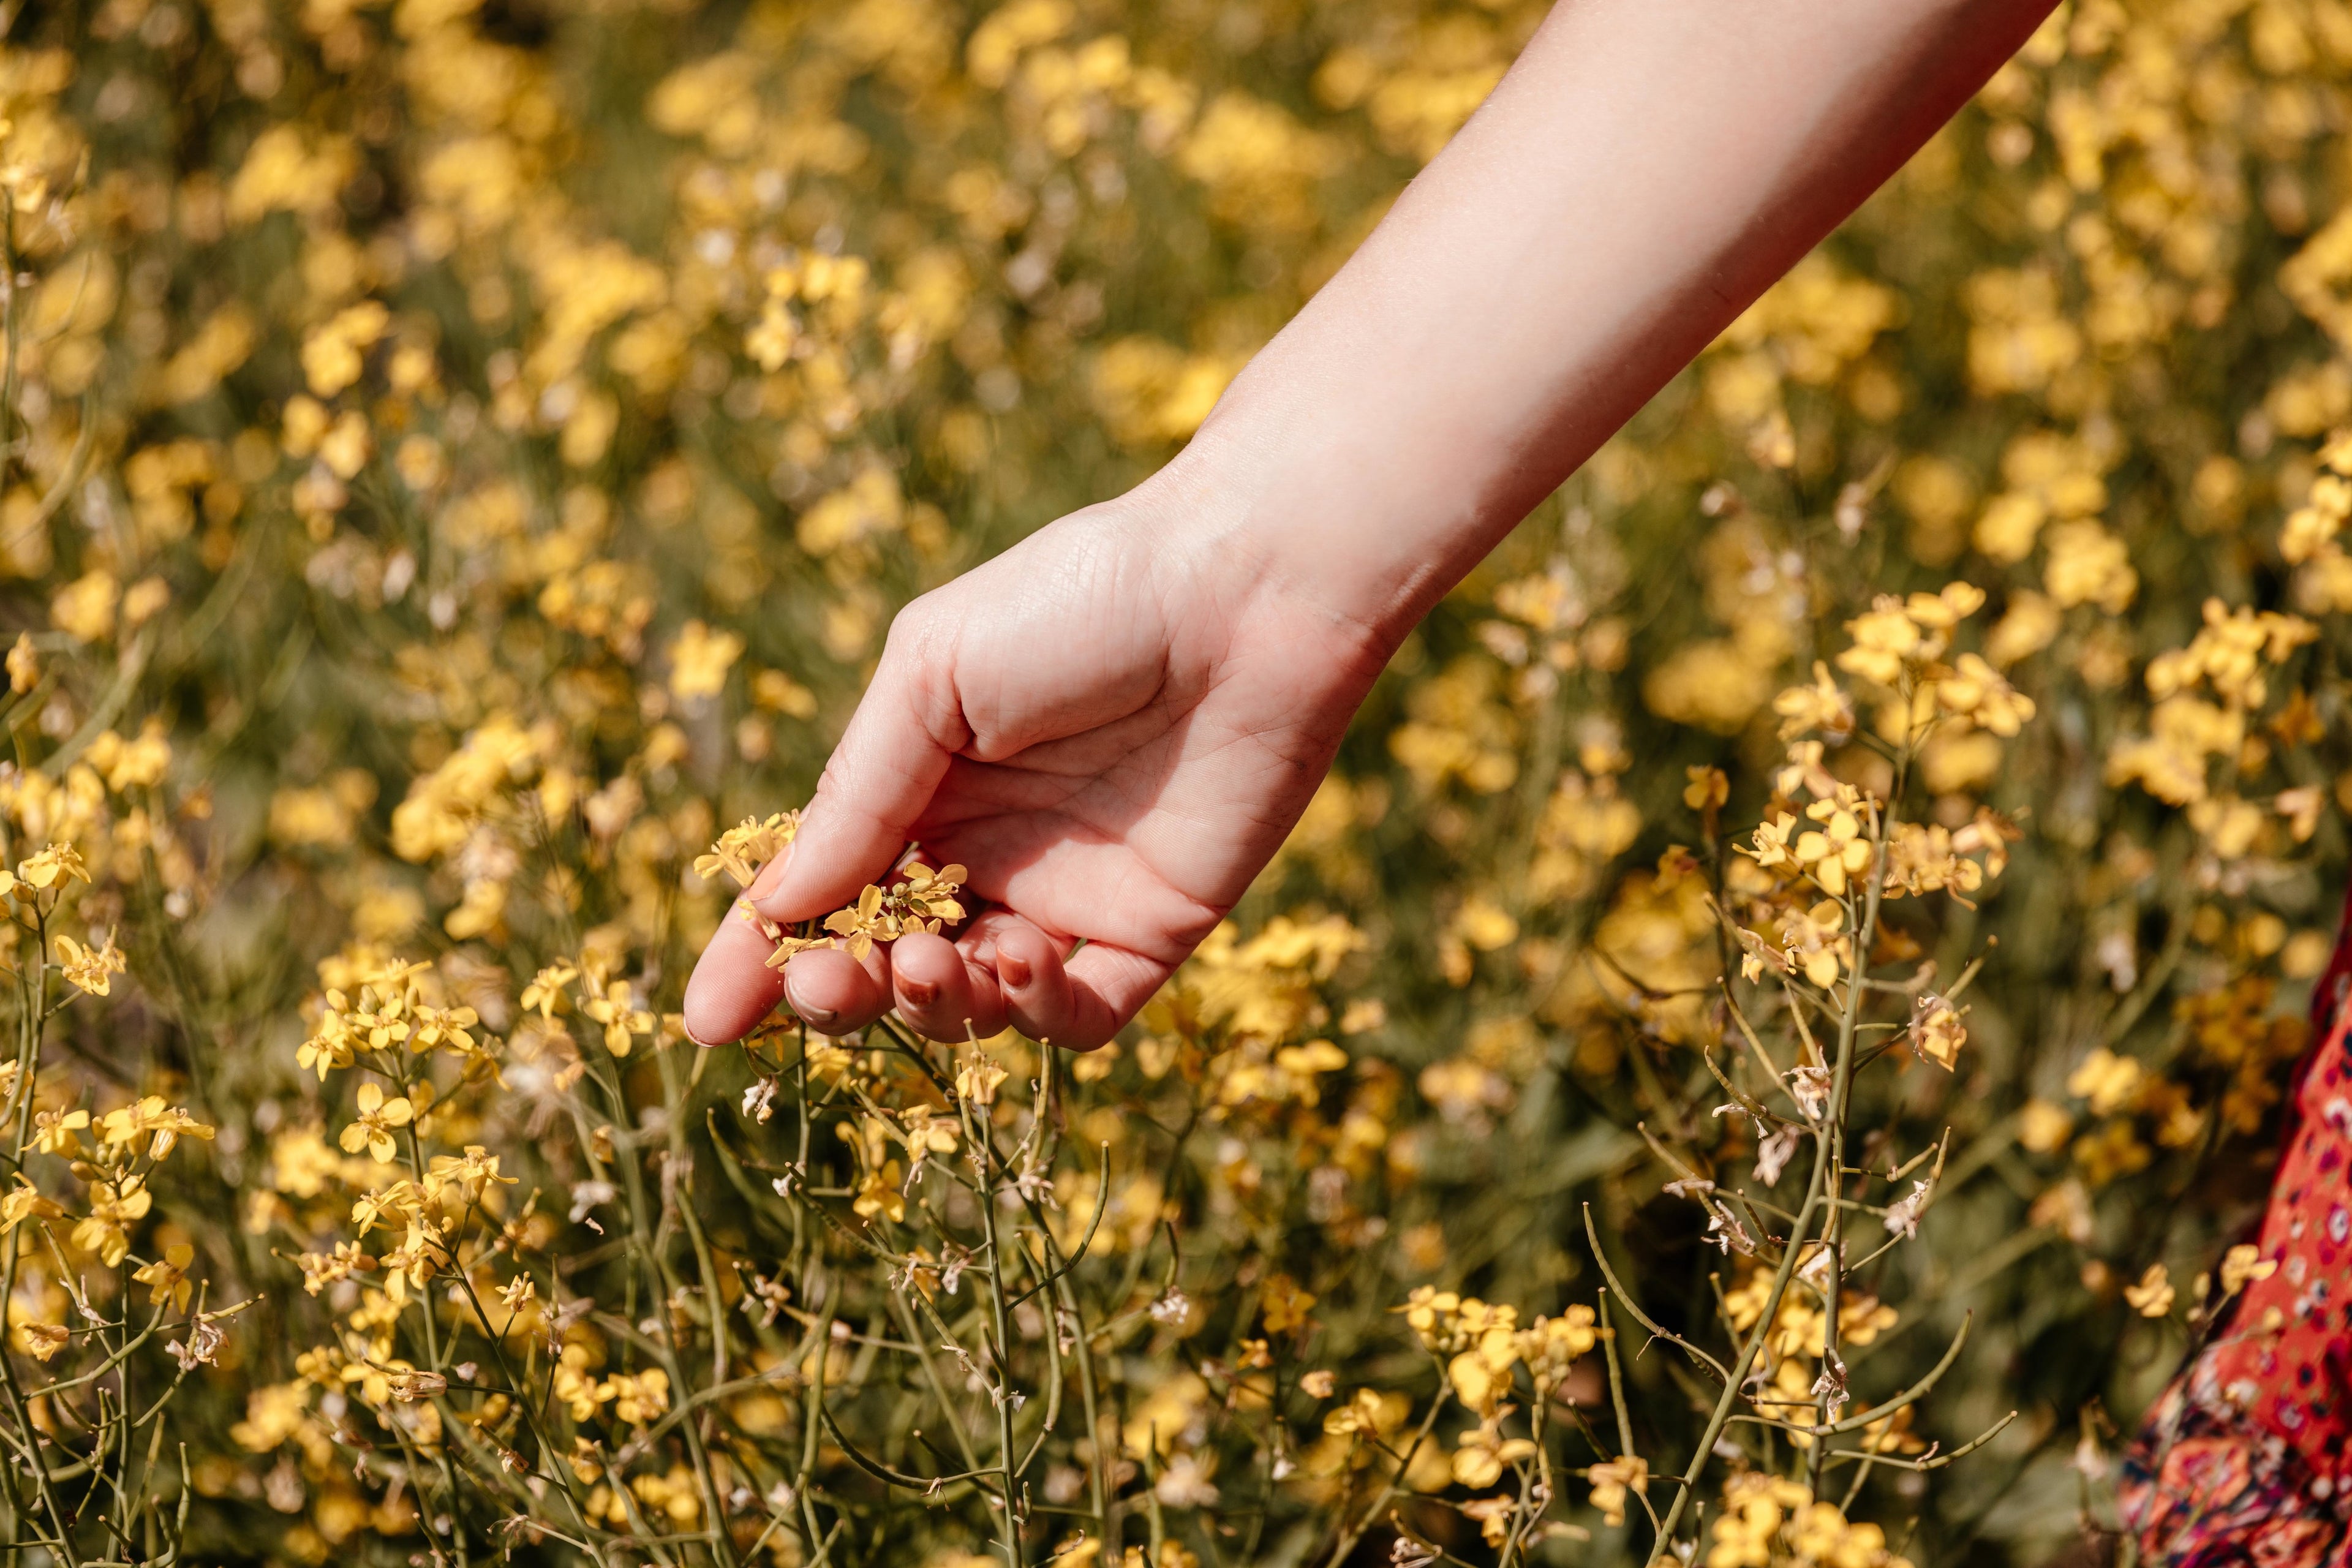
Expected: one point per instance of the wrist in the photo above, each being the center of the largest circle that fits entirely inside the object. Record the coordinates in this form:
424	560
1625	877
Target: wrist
1278	503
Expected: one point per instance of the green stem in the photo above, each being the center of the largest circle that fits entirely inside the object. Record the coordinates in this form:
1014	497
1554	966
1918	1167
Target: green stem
1000	1394
1819	1194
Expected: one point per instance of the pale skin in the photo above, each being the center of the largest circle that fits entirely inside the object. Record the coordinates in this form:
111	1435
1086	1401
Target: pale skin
1115	723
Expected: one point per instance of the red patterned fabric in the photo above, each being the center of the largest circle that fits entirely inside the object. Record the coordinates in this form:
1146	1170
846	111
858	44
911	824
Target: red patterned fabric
2248	1457
2287	1361
2204	1487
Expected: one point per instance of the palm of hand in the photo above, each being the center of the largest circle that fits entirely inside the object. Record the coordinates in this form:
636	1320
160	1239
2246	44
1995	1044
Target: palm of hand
1112	743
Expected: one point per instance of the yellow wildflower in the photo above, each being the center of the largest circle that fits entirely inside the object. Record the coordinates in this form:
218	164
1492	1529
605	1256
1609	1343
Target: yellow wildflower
1823	706
1615	1480
2105	1079
151	1117
639	1397
42	1341
91	970
699	660
113	1207
546	989
23	1201
614	1005
2242	1265
743	849
54	1130
1938	1032
51	867
167	1277
468	1174
378	1117
2153	1296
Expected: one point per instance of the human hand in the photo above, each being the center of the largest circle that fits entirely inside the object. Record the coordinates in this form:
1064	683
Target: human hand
1112	726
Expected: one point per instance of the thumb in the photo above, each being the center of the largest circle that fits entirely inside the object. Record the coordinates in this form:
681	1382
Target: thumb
906	729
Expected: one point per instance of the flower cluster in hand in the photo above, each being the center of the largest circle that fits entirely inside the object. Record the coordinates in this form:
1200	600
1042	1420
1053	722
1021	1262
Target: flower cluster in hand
918	898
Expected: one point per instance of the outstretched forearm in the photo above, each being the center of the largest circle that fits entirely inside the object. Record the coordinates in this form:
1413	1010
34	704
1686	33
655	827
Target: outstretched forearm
1113	725
1646	169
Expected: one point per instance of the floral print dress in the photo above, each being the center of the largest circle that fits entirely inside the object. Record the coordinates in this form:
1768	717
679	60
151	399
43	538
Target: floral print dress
2247	1458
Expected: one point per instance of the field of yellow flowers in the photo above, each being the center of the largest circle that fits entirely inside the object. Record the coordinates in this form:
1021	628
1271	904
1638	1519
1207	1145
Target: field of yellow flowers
1757	1054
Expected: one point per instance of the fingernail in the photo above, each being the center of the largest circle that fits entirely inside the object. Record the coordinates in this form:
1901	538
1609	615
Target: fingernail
1015	971
818	1019
763	886
922	993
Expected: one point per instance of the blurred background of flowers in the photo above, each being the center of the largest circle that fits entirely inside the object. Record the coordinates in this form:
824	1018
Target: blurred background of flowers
457	457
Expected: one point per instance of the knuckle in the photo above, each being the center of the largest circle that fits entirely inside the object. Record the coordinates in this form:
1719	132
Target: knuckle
918	629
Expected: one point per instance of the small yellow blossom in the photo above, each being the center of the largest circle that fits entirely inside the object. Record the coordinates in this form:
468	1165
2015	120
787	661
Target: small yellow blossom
921	899
160	1123
546	991
1938	1032
1822	1534
743	849
54	1131
1551	1346
2242	1265
2043	1127
2105	1079
167	1277
91	970
614	1005
378	1117
1836	851
1615	1480
699	660
113	1207
1483	1452
42	1341
467	1174
880	1194
1285	1304
2152	1297
639	1397
1364	1413
23	1201
1772	842
1883	640
1981	693
84	610
51	867
1823	706
409	1266
977	1080
449	1028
